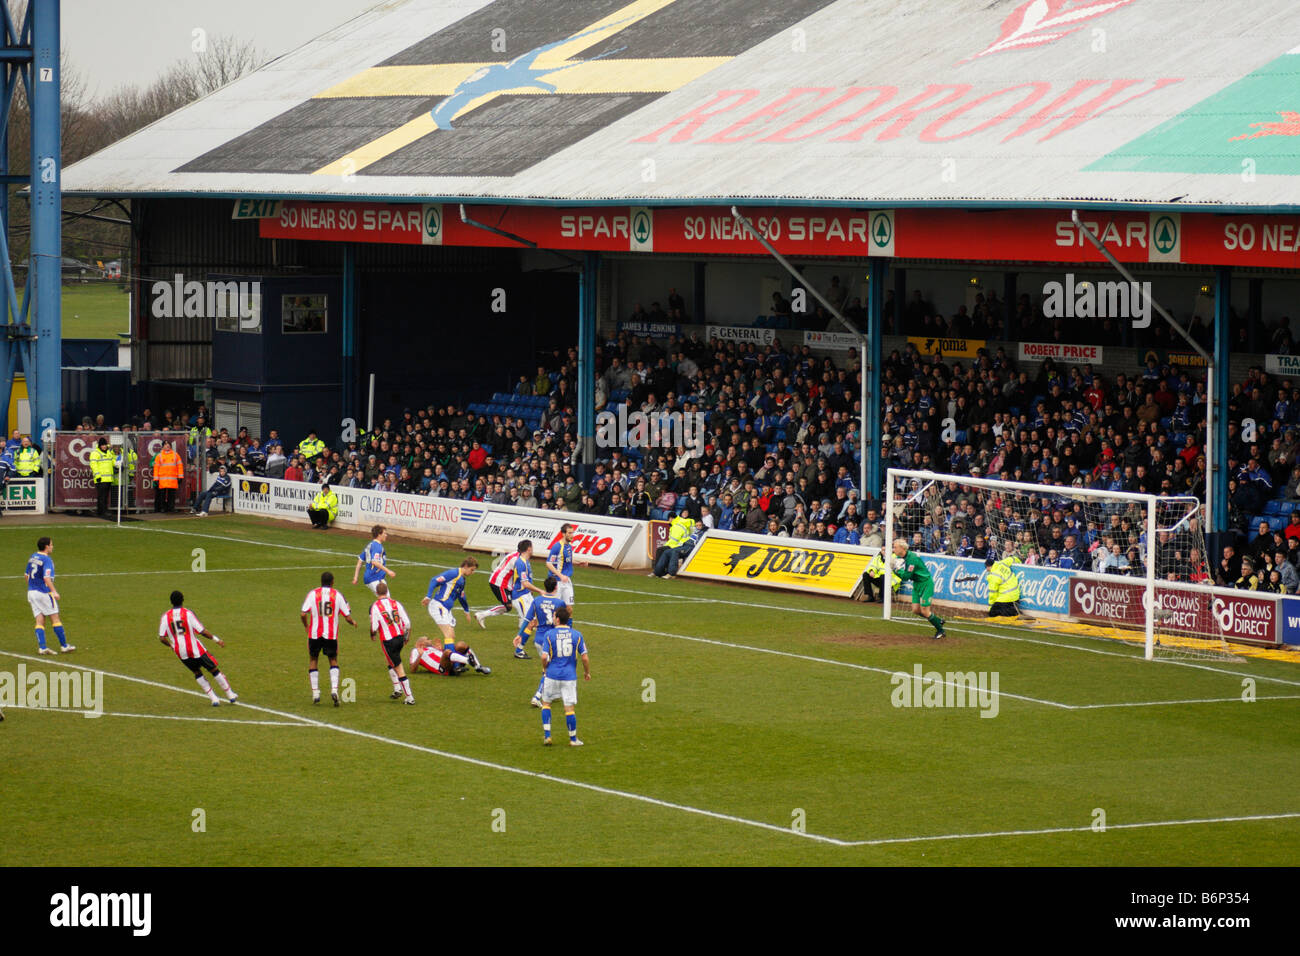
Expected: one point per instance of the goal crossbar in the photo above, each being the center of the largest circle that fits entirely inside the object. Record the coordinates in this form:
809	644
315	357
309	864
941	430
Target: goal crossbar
898	498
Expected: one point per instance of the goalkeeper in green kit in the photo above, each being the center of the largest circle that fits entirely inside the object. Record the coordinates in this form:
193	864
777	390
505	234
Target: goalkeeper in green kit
909	567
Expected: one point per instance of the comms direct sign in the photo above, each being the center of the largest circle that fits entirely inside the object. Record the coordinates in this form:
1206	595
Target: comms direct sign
1211	612
597	540
963	581
789	563
73	485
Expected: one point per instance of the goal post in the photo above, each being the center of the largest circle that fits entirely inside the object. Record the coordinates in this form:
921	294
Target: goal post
1104	563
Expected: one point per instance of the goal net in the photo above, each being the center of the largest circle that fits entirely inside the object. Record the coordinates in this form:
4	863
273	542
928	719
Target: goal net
1110	564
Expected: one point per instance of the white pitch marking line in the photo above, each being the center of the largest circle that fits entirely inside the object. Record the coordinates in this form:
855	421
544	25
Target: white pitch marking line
774	607
820	660
110	574
307	721
1201	700
505	768
111	713
1080	829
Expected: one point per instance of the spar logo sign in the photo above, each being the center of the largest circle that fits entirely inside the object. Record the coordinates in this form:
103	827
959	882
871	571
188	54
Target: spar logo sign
431	228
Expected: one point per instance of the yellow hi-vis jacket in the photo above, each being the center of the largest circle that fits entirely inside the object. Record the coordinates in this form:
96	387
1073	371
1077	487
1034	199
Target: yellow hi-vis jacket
876	569
679	530
1003	584
326	502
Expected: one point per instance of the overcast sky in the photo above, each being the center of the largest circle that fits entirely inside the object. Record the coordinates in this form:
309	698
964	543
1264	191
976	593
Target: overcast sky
114	42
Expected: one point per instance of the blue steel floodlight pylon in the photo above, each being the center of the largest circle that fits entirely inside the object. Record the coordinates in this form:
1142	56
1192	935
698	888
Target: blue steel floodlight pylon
32	324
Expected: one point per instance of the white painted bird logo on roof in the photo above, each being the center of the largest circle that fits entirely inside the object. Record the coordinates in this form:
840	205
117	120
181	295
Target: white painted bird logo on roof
1045	21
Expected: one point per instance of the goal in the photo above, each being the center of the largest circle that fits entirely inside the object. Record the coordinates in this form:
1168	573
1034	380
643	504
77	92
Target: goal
1108	564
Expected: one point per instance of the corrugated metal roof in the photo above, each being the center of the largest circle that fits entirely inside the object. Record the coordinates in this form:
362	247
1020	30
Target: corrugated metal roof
850	101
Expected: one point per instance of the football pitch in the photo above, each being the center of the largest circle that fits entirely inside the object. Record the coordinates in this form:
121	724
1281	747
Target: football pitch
723	726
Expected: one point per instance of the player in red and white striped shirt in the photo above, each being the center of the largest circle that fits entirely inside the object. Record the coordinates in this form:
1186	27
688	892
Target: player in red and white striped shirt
390	622
450	660
179	629
321	610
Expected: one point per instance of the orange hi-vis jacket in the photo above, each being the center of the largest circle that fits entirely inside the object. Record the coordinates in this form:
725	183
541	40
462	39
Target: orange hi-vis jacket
167	469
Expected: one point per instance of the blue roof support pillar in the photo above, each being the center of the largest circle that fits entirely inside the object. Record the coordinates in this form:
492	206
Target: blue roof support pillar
1222	391
877	273
900	301
45	384
587	280
350	383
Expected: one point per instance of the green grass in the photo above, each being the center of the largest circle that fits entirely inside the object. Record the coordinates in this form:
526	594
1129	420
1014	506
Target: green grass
94	310
732	730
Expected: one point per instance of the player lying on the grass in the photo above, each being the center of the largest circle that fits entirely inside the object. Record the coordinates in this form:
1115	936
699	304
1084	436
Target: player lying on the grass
179	629
560	650
449	660
446	589
1004	587
43	596
390	622
374	560
320	615
909	567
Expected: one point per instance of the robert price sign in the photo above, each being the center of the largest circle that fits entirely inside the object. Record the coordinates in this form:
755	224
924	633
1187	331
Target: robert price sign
597	540
790	563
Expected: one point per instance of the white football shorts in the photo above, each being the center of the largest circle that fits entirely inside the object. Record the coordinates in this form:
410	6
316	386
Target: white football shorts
441	616
43	604
565	690
564	591
522	605
374	585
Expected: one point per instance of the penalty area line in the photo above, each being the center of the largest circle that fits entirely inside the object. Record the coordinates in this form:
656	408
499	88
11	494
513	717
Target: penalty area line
111	713
1087	828
473	761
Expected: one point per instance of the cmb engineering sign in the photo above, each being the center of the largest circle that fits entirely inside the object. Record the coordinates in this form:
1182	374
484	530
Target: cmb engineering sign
790	563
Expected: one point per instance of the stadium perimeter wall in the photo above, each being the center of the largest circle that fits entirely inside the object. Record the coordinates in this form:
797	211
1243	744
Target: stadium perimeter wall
604	541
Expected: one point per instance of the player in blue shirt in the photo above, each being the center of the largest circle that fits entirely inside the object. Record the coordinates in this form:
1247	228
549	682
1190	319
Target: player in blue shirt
542	616
44	597
559	561
445	590
373	559
560	649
